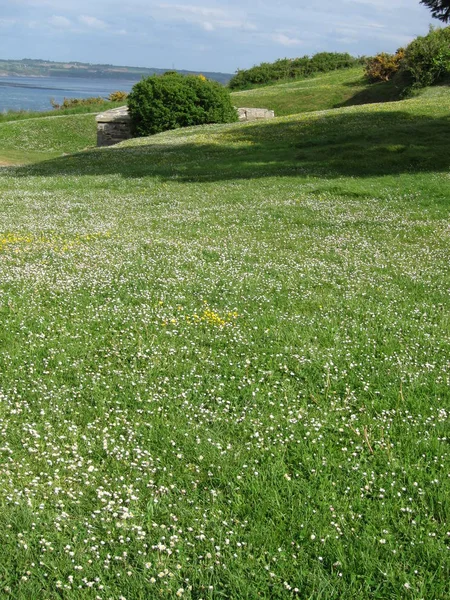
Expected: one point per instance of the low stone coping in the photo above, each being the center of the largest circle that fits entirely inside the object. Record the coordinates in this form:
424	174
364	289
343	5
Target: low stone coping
254	114
116	115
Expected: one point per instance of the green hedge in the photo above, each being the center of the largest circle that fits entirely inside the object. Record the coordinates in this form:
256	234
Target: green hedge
427	58
291	68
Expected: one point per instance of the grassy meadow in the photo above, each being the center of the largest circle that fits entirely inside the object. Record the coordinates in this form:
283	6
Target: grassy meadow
225	361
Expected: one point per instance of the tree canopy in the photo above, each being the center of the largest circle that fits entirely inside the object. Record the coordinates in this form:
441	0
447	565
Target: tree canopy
440	9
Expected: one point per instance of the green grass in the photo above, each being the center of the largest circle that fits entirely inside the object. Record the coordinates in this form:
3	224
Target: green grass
30	137
33	140
225	362
340	88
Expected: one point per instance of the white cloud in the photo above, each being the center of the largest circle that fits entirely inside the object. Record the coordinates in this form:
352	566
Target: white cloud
92	22
347	40
203	11
59	22
208	18
7	22
285	40
206	34
242	25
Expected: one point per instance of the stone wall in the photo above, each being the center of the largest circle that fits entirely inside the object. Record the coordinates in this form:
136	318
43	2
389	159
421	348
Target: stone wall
254	114
114	126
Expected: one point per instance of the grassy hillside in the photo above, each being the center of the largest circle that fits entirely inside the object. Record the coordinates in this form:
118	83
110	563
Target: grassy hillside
224	362
339	88
34	139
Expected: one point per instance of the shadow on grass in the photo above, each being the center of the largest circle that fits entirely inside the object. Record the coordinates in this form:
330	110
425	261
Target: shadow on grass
355	144
386	91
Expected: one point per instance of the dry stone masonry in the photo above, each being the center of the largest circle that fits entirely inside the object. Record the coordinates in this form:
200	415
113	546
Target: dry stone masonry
254	114
114	126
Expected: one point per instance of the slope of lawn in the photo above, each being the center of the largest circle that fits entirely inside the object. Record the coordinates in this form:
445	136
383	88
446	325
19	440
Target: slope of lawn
340	88
34	139
225	362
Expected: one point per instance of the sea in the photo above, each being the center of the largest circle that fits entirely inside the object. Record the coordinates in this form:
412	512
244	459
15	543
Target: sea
35	93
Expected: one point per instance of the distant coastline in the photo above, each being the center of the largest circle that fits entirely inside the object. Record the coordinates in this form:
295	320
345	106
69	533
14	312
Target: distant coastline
43	68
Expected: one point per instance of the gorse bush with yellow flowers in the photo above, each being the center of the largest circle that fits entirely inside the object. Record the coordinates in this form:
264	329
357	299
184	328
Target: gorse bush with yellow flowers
170	101
76	102
118	96
384	66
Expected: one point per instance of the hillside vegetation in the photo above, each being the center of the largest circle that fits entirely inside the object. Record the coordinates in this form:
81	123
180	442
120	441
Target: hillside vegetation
224	358
47	136
291	68
40	138
345	87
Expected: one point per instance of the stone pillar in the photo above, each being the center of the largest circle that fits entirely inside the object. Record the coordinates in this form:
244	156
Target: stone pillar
113	126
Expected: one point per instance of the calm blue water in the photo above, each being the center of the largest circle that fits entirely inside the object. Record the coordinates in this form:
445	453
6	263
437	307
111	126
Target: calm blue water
34	93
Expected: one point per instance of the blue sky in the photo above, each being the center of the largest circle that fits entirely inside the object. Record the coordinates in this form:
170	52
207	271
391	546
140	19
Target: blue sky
203	35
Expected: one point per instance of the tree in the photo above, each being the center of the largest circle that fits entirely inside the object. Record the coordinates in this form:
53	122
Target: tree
440	9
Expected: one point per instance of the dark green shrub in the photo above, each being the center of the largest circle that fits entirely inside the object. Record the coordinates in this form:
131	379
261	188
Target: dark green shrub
383	66
427	58
170	101
323	62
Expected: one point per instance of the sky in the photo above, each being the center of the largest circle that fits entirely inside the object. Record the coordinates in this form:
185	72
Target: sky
202	34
